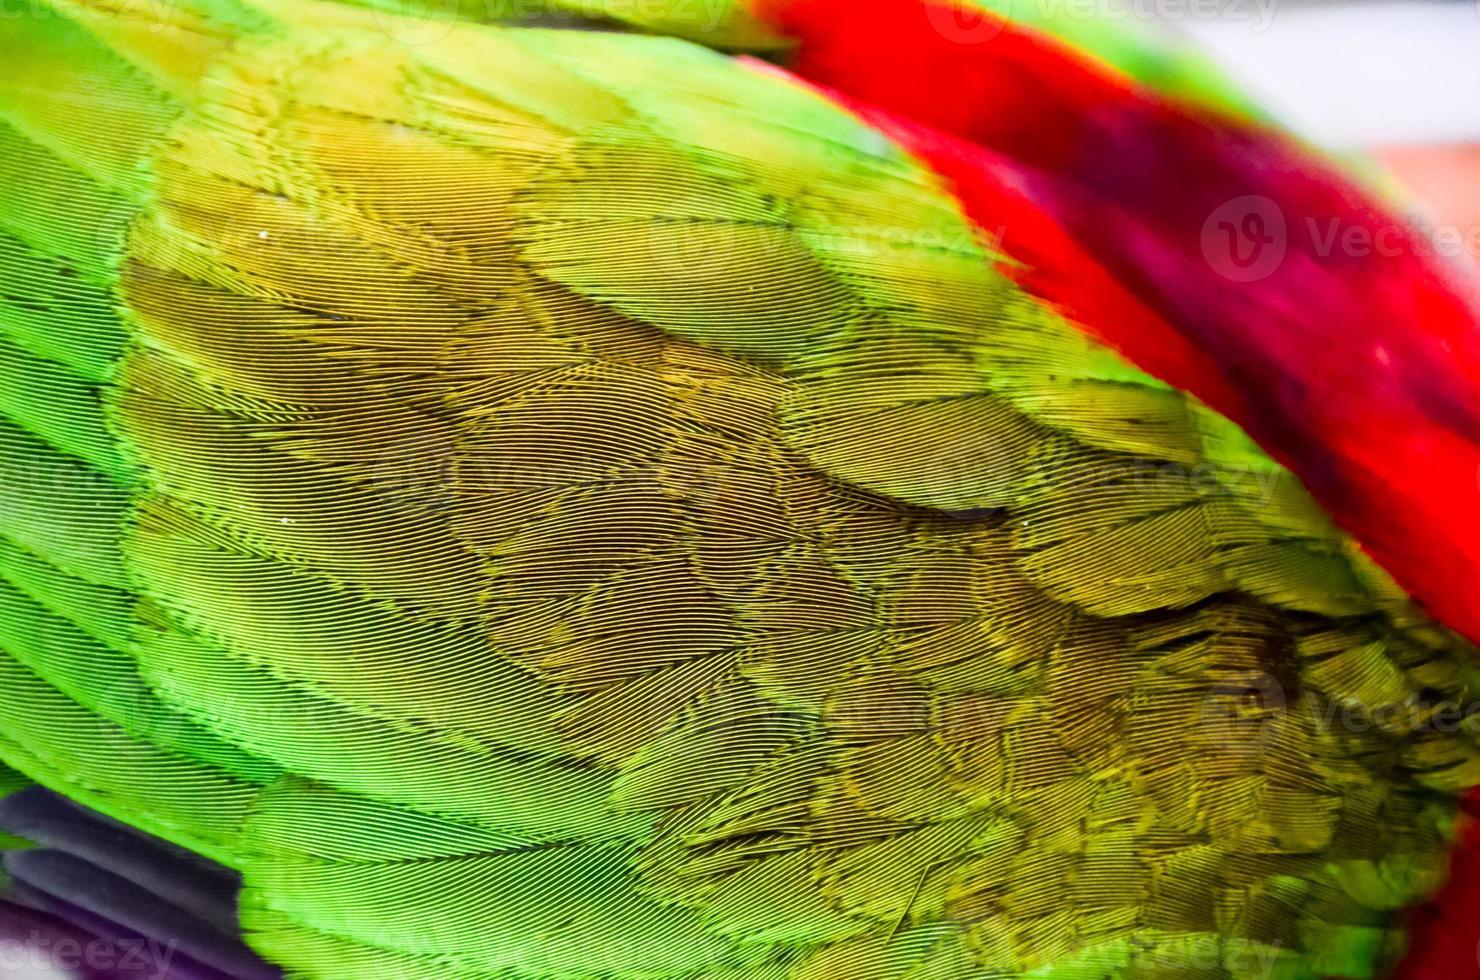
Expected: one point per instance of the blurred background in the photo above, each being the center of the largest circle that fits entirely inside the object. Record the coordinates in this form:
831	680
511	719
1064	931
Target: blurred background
1398	78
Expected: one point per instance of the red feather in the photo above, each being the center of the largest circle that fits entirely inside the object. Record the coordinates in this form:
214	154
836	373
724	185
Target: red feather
1214	254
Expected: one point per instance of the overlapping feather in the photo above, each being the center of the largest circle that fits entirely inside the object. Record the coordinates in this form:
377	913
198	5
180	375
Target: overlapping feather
556	504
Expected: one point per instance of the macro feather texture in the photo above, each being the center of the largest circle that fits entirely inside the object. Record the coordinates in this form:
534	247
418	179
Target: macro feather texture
571	504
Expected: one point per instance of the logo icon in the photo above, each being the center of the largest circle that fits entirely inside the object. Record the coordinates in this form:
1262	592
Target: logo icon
1245	239
1238	718
416	22
967	22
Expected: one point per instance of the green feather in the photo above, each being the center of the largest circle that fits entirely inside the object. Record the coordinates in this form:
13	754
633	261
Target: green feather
568	504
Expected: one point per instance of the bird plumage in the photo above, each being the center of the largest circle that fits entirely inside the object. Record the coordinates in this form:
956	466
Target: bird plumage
554	503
